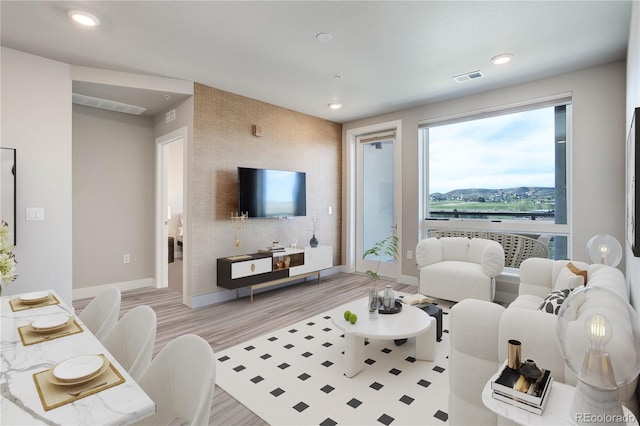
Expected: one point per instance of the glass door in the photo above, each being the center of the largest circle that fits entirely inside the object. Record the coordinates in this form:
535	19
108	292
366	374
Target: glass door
375	212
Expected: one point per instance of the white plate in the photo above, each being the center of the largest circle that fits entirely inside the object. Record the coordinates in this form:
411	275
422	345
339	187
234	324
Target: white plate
36	296
50	322
78	367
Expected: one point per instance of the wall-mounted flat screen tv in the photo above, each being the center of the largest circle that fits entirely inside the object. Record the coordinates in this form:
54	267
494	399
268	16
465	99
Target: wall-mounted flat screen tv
271	193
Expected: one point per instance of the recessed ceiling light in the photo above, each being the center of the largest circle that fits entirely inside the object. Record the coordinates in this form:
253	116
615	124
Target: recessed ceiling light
84	18
502	58
324	37
334	105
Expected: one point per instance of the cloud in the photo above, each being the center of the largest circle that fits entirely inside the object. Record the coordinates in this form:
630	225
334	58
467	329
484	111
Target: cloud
497	152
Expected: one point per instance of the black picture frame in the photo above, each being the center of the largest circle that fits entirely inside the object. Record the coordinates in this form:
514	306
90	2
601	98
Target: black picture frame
8	187
633	193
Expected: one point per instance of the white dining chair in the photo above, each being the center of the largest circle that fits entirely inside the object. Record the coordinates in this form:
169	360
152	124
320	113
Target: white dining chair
180	380
132	339
101	314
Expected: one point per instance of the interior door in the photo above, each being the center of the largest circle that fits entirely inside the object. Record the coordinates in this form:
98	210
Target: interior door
375	200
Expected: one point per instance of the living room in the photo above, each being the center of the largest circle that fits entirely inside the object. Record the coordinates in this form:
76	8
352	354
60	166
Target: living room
597	94
40	122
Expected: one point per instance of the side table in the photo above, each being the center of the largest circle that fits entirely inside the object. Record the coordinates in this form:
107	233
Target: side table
555	413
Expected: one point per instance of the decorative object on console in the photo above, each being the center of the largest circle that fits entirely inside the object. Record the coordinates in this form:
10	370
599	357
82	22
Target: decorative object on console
239	230
313	242
604	249
599	340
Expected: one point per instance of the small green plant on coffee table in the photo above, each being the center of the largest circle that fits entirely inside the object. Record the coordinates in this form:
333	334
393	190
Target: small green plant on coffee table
389	247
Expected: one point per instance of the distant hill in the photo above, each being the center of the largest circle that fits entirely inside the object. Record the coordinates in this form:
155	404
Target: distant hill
493	194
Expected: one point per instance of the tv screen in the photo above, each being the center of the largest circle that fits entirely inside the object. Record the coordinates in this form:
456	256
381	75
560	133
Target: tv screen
271	193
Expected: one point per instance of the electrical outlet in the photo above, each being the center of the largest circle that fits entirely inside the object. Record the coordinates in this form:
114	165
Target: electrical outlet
126	258
409	254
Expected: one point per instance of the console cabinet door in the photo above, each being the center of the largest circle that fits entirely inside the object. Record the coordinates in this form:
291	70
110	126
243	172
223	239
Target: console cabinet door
250	267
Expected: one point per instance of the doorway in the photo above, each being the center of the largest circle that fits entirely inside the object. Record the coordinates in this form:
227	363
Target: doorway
171	232
373	195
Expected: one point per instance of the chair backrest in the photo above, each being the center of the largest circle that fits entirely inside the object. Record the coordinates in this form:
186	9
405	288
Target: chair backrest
516	247
131	341
101	314
180	380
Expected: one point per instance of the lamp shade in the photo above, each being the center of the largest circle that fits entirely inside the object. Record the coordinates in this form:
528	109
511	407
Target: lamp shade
582	314
599	340
604	249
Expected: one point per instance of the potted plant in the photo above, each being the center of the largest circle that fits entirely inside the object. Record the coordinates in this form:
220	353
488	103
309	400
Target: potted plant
388	246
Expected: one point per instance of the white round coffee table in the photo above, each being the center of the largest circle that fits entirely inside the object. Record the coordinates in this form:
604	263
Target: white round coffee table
410	322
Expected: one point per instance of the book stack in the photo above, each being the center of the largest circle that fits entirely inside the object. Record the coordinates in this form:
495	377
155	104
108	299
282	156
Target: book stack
512	387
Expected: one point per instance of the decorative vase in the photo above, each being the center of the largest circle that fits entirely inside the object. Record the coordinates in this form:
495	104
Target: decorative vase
374	302
313	242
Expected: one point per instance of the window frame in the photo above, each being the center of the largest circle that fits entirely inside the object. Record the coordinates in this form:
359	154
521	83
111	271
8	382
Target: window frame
509	226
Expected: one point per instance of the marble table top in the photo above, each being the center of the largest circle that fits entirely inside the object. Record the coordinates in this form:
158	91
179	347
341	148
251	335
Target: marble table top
20	403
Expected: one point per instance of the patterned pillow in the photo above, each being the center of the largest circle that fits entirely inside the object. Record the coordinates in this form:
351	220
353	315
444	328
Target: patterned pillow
553	302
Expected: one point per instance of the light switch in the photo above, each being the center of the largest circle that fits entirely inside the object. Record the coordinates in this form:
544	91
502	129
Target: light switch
34	214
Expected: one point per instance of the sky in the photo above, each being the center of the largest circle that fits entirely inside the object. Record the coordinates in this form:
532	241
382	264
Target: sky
497	152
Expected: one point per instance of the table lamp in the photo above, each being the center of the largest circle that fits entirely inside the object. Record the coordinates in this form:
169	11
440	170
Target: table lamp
604	249
599	340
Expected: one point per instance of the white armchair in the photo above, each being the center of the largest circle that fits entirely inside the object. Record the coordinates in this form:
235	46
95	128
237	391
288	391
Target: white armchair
457	268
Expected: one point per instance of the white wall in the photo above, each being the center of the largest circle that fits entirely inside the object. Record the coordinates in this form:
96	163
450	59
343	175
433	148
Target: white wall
113	198
633	101
597	171
35	117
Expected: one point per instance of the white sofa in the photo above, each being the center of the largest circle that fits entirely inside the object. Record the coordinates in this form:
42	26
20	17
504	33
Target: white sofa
456	268
479	332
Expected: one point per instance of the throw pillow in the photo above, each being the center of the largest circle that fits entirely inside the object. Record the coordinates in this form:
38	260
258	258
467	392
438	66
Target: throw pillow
567	279
583	272
553	302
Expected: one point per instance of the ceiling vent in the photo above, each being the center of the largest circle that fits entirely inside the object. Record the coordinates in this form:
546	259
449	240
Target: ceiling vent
473	75
106	104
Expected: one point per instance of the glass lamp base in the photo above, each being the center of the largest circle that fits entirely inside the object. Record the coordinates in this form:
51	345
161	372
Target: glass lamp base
596	407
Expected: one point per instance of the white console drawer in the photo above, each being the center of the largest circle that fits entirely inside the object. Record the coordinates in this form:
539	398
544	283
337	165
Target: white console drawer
250	267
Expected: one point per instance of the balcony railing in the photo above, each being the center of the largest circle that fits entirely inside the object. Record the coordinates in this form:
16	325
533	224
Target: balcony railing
490	214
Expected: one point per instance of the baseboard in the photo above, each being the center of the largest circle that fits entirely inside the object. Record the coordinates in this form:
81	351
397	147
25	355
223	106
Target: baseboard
87	292
225	295
408	279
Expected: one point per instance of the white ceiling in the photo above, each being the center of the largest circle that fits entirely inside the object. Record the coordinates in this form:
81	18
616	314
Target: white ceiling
391	54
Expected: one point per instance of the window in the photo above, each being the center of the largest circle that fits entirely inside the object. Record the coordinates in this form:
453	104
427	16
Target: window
505	171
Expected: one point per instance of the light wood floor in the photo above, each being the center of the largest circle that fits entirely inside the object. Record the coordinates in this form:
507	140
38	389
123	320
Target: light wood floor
229	323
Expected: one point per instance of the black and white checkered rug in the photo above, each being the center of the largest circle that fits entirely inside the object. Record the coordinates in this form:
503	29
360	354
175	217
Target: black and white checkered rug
294	376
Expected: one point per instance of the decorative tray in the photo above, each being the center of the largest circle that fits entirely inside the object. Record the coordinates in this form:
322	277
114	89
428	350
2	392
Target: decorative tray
395	310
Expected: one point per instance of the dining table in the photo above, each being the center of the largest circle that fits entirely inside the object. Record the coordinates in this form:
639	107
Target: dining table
42	348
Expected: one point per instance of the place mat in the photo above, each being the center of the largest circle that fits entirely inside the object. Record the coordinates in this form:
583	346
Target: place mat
29	336
53	396
18	305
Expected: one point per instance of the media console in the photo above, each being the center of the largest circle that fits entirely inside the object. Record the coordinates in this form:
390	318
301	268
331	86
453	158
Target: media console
268	268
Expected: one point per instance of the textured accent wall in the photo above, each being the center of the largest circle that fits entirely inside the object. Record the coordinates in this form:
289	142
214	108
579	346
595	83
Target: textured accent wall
222	141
